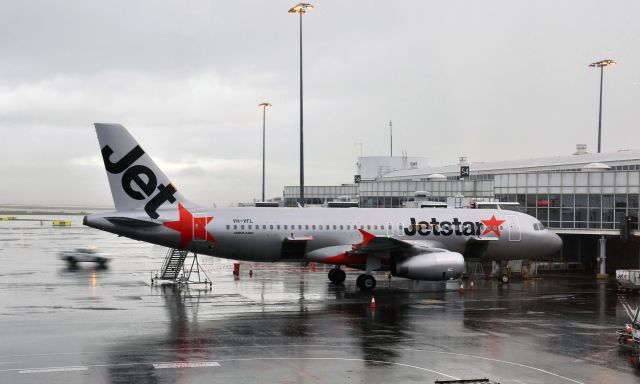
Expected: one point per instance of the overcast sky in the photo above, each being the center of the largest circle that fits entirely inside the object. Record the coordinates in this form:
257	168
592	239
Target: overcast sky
490	80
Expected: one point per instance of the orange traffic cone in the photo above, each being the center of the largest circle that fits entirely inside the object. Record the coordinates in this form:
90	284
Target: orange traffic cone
373	302
461	289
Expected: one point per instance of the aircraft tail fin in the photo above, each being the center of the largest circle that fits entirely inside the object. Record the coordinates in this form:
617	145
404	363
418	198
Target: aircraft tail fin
136	181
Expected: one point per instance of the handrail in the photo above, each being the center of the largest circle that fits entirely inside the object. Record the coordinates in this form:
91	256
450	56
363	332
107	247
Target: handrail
166	260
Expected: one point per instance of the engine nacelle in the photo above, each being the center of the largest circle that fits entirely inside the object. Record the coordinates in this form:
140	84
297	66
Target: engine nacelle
430	266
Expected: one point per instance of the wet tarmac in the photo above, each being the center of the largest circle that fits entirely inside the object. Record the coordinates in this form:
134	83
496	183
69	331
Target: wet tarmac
284	325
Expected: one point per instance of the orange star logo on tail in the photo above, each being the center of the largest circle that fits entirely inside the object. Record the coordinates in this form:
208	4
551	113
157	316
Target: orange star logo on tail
190	227
492	225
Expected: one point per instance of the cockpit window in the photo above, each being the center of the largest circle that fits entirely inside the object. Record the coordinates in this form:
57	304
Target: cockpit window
538	226
541	226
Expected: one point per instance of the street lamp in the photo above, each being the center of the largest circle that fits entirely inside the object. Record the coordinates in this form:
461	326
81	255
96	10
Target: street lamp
601	64
264	113
301	9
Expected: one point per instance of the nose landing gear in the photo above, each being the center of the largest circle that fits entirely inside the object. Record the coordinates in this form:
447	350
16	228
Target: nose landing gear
505	275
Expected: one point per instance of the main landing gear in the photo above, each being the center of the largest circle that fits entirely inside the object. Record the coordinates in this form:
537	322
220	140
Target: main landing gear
366	282
337	275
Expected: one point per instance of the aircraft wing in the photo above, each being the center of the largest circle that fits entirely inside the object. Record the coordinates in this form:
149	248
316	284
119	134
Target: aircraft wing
379	247
404	258
382	244
375	244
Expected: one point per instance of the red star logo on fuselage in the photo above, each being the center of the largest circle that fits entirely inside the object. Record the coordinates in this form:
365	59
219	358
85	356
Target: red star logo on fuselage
492	225
190	227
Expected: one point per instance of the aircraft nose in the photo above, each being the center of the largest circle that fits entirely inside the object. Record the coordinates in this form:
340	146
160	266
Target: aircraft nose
552	243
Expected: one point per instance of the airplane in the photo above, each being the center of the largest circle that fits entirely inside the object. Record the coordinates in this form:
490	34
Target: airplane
419	244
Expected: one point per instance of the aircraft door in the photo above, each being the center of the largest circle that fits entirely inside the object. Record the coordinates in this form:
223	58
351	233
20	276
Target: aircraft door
514	227
199	227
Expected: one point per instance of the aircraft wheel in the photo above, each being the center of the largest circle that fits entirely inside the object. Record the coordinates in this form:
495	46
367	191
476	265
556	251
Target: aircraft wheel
337	275
504	279
366	282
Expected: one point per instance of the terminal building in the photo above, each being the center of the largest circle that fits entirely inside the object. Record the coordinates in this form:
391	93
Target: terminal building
584	197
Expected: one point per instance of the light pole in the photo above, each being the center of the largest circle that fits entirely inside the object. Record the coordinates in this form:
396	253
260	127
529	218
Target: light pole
264	114
601	64
391	136
301	9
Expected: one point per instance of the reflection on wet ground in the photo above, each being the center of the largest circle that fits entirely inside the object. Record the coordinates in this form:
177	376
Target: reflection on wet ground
84	324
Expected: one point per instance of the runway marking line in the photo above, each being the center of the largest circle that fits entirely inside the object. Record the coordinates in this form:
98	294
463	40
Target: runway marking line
626	306
195	364
324	346
186	364
501	361
347	359
53	369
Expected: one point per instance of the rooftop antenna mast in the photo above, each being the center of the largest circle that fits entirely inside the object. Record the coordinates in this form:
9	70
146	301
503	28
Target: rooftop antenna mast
391	134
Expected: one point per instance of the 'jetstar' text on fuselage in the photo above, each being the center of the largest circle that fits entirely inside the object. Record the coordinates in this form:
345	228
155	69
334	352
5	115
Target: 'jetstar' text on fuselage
443	228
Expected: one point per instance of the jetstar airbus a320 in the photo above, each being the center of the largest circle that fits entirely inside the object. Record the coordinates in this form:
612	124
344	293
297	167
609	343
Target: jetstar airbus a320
419	244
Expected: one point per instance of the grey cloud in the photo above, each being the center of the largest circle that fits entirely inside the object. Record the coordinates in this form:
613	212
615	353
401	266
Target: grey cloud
490	80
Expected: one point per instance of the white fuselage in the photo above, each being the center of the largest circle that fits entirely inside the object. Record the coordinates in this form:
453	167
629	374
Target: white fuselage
258	234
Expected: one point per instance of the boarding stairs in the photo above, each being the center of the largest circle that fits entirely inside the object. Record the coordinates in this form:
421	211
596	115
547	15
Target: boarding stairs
178	267
173	264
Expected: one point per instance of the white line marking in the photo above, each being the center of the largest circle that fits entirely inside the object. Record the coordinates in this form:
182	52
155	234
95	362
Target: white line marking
193	364
505	362
346	359
333	346
626	306
186	364
53	369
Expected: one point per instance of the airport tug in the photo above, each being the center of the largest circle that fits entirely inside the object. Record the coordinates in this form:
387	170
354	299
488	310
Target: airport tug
630	335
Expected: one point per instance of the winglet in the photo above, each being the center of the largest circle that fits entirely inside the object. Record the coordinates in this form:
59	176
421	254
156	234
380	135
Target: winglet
366	236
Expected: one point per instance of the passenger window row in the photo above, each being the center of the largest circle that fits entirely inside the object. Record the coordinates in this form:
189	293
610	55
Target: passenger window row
306	227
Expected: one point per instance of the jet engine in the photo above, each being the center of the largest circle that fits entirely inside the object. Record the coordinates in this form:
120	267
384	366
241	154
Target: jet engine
440	265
